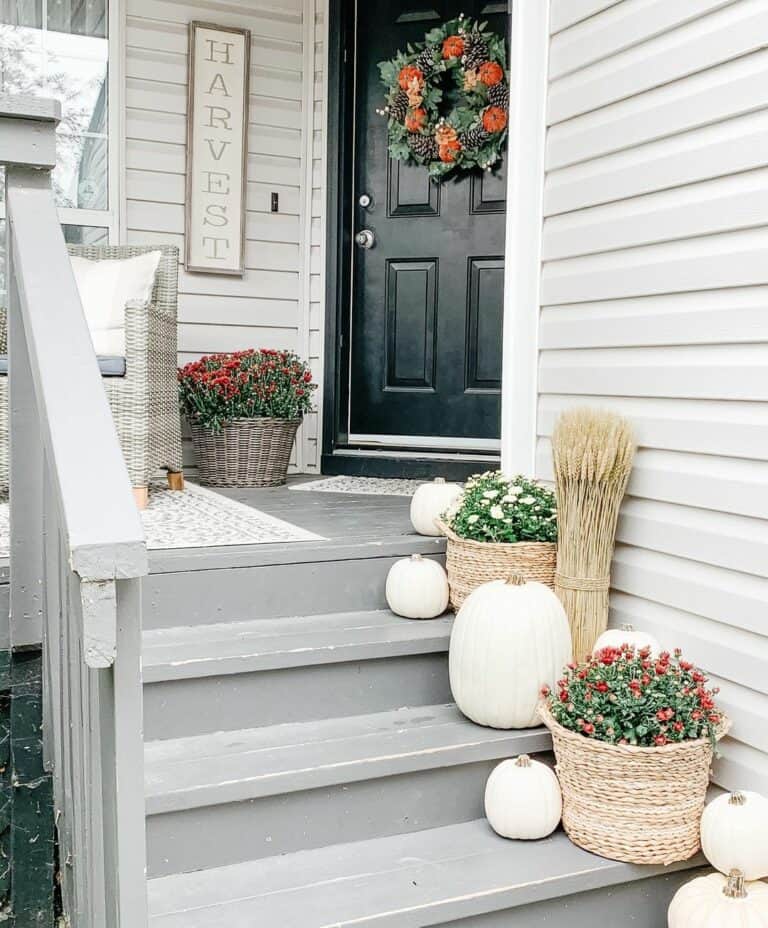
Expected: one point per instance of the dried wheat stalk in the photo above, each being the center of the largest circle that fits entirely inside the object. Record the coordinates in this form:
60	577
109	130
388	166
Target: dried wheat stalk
593	452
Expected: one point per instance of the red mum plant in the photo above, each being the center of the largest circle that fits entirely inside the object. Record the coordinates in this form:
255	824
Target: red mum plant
624	696
245	385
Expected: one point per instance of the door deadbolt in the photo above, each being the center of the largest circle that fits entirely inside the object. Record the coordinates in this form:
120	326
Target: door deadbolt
365	239
365	200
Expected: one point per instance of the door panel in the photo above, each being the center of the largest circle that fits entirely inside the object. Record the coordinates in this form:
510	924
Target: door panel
427	298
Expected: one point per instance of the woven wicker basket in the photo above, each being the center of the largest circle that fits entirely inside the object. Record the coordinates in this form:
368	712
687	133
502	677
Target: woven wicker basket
642	805
245	453
472	563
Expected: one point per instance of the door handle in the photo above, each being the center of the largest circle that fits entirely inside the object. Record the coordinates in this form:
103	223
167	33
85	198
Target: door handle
365	239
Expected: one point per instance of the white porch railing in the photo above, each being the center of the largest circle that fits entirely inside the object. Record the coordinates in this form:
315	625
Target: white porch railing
77	546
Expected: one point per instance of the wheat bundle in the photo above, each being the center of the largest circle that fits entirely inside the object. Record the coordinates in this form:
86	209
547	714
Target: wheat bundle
592	452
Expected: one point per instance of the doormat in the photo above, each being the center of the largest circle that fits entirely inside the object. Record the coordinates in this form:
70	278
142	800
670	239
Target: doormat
371	486
198	518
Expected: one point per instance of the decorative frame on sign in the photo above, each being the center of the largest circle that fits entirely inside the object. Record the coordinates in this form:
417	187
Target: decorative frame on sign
217	148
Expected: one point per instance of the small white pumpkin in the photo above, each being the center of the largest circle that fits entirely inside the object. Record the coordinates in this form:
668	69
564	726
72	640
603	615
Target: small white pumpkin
627	634
716	901
509	639
429	502
734	834
417	588
523	799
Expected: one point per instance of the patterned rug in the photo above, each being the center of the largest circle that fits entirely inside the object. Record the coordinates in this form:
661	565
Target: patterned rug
198	518
373	486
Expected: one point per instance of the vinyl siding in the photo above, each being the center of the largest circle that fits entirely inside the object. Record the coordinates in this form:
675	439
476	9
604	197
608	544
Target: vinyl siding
268	307
655	303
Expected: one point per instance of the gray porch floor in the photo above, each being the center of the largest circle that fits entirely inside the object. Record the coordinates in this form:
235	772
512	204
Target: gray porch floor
346	521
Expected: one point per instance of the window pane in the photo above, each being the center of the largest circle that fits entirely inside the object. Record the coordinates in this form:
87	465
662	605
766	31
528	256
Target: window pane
80	176
70	66
22	13
85	235
79	17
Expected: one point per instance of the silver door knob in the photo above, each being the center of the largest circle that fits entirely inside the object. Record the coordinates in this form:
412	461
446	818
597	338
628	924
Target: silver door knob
365	238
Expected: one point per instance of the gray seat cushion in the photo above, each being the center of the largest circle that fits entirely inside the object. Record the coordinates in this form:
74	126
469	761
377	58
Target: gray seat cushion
109	366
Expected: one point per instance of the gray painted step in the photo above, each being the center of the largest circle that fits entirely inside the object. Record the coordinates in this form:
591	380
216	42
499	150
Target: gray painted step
227	676
462	875
280	789
210	585
238	647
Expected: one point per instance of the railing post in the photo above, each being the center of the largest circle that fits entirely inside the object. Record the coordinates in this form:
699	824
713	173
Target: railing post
28	148
26	477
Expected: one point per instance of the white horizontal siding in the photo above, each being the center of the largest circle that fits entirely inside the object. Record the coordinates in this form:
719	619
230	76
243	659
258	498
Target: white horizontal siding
264	307
655	304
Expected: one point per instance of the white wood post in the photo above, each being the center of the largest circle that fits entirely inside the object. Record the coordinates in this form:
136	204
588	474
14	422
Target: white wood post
529	53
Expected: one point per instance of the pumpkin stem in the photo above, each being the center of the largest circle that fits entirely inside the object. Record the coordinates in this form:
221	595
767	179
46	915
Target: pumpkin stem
737	798
515	580
523	761
734	888
627	627
439	479
416	557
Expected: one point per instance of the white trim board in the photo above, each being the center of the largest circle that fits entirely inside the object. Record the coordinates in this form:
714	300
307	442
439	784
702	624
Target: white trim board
529	52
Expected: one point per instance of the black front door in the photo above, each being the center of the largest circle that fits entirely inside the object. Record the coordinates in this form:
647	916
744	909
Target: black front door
427	298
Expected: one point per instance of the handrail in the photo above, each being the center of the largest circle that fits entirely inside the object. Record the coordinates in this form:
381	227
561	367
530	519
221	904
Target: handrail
77	545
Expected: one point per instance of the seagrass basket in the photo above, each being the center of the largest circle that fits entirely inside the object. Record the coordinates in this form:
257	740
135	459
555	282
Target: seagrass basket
472	563
642	805
245	453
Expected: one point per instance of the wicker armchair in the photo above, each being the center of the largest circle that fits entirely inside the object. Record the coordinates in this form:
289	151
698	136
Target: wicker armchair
144	400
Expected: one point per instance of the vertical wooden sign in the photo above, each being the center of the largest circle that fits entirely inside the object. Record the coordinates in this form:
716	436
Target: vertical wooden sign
217	148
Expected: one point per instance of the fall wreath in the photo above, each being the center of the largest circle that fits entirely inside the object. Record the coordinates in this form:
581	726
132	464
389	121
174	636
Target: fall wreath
448	98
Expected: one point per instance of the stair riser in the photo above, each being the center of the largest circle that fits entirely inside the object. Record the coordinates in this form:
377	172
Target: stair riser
266	592
215	836
642	904
178	708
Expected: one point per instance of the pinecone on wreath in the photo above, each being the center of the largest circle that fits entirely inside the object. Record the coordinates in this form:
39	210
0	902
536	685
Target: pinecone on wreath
475	51
473	138
426	60
423	145
498	95
398	108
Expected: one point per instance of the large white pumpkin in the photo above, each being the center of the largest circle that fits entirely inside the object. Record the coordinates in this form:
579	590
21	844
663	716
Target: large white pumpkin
716	901
627	634
417	588
523	799
734	834
429	502
509	639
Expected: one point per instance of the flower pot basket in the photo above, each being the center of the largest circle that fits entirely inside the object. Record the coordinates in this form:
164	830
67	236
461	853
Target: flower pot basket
642	805
245	452
471	563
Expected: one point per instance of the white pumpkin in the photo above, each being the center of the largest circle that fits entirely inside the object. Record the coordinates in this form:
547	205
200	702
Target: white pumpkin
417	588
716	901
627	634
734	834
523	799
429	502
509	639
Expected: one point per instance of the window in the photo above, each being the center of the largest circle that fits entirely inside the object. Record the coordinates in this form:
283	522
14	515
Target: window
61	49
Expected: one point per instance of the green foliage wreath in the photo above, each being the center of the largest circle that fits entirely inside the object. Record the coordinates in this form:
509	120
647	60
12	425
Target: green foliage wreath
447	98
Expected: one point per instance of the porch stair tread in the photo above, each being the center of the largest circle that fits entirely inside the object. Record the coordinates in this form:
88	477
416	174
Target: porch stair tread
184	652
235	766
416	880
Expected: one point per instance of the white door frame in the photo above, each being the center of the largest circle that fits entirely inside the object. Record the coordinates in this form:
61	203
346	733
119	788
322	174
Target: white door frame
529	57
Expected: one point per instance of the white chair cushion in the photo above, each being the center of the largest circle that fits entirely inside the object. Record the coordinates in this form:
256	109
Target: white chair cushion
105	288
